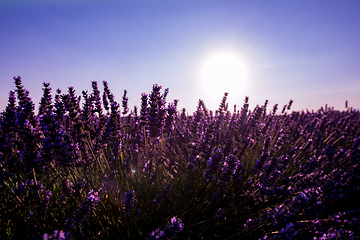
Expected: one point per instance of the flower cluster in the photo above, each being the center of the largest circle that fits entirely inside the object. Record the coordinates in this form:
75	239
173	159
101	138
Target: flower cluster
77	163
170	231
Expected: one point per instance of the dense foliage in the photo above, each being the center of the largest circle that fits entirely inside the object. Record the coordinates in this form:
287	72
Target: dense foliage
93	169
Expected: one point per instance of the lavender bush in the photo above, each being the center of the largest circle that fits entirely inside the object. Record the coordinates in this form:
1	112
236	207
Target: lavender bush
95	169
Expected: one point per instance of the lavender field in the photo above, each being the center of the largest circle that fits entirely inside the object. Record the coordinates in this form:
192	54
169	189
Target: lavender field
88	167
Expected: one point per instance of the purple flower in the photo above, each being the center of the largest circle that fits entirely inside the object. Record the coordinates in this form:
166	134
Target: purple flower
125	103
129	202
170	231
57	235
213	164
96	98
87	206
162	196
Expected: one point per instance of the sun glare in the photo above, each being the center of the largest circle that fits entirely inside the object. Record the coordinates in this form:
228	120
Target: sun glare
223	72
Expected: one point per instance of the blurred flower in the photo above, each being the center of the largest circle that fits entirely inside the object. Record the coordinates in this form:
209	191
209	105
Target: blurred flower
170	231
129	202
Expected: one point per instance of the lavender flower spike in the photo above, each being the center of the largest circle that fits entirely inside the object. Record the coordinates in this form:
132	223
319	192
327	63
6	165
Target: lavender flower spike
170	231
129	202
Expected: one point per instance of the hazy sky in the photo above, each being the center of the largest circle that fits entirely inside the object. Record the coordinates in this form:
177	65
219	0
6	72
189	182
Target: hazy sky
308	51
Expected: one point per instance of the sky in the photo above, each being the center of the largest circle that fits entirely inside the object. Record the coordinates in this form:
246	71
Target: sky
307	51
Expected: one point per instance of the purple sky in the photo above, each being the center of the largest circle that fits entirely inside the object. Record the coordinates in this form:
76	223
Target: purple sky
308	51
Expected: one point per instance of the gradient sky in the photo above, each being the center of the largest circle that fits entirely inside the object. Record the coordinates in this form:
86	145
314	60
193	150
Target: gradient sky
308	51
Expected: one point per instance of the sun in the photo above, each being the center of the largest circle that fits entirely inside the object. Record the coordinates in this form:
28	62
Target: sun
223	72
